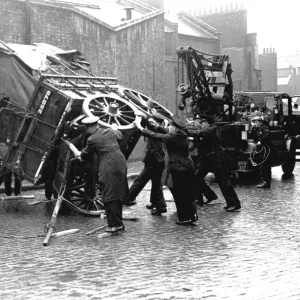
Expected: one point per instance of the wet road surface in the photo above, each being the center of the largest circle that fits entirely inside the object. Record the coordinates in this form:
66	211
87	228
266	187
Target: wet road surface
252	254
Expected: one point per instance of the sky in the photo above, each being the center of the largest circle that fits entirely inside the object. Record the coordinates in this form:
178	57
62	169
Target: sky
276	22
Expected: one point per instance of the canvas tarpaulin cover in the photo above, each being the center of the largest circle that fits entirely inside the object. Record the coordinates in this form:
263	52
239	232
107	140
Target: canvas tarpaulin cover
16	80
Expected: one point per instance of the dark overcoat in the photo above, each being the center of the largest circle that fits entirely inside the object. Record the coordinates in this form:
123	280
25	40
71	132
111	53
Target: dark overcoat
112	170
177	147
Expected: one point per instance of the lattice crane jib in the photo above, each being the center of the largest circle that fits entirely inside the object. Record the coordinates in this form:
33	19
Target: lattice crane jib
205	81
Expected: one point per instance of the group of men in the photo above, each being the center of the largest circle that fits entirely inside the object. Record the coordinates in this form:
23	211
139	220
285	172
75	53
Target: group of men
207	157
165	147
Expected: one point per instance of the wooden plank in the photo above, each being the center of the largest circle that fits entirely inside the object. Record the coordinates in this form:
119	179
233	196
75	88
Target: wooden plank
25	197
95	230
53	220
65	232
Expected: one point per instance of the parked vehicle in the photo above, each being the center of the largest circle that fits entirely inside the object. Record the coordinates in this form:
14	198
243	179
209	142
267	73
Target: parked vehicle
205	84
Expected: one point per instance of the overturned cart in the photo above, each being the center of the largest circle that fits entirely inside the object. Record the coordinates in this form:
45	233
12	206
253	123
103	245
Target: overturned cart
41	115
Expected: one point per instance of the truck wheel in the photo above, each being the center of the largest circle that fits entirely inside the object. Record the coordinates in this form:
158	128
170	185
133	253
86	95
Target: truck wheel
290	157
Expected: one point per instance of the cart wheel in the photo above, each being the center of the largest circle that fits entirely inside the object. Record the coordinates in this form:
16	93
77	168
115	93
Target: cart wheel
141	100
290	157
110	108
75	199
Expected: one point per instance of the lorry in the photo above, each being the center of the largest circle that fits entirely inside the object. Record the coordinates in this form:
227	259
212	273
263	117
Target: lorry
205	86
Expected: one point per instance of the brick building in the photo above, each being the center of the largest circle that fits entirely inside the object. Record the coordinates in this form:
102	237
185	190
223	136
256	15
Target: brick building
251	71
268	64
240	45
117	41
123	38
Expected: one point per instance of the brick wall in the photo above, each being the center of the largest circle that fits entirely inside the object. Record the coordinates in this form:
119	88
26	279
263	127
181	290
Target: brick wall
237	60
13	20
203	45
268	65
135	54
232	25
139	58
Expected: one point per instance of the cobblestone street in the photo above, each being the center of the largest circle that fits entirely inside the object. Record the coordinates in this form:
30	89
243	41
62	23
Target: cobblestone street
252	254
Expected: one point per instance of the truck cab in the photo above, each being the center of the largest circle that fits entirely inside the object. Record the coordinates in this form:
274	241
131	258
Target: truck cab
277	110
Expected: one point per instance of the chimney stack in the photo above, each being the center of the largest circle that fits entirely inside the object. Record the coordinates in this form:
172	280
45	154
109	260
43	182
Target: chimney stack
128	13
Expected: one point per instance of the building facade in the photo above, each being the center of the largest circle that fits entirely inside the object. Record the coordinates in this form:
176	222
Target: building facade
239	45
123	39
130	50
268	65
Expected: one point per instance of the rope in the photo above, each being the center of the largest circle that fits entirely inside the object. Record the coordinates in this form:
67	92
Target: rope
266	156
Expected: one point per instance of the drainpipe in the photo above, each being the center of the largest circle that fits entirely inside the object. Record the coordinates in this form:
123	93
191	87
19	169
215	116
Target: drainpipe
27	22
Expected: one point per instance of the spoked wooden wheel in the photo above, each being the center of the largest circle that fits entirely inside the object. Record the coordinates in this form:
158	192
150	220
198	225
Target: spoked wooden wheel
110	108
76	199
143	103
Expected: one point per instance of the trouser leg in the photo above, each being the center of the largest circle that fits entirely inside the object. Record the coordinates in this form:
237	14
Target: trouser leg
198	195
48	188
200	185
139	183
197	192
18	185
229	194
113	210
157	196
266	172
7	182
183	195
228	191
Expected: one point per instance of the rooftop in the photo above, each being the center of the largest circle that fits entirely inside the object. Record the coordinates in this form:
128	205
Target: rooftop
192	26
111	13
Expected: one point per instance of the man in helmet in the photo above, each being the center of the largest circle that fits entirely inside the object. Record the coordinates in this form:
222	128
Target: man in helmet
262	137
